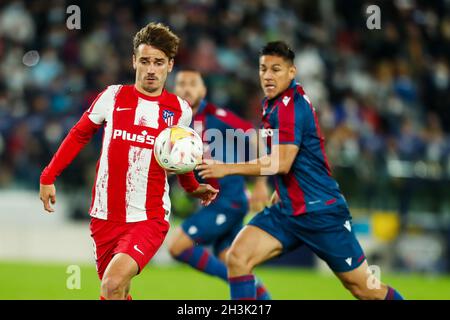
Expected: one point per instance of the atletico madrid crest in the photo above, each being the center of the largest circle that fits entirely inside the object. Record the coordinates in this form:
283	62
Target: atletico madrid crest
168	117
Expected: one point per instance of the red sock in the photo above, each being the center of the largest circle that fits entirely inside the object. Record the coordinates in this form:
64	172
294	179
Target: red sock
102	298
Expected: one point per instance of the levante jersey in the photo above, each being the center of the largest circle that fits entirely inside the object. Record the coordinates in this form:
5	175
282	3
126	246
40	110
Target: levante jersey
129	186
290	118
210	121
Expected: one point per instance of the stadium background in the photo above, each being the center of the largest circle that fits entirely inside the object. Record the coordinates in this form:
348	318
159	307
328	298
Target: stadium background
383	98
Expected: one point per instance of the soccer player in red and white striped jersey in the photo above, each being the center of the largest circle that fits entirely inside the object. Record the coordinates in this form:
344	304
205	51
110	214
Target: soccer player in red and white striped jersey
130	198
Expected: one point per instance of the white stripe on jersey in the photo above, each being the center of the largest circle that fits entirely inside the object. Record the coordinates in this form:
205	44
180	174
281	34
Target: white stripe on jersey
166	201
102	110
147	113
136	183
104	105
186	113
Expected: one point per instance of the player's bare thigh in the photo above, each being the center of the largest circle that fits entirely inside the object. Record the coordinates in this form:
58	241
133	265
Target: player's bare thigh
251	247
362	284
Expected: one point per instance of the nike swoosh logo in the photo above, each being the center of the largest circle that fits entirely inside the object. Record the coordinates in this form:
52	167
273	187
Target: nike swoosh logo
122	109
137	249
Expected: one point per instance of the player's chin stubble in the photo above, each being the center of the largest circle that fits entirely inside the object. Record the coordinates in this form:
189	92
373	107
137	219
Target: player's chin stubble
150	89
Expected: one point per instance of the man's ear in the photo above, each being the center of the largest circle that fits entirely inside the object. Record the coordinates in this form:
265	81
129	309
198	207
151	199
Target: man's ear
134	62
292	71
171	63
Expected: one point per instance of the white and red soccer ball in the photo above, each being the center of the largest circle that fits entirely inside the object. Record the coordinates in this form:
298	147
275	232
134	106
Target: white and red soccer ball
178	149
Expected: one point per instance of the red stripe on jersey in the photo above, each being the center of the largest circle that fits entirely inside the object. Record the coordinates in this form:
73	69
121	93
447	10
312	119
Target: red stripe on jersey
155	189
322	141
118	159
96	176
286	118
295	194
318	131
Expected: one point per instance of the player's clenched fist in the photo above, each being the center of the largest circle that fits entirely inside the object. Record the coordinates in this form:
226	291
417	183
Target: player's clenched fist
47	194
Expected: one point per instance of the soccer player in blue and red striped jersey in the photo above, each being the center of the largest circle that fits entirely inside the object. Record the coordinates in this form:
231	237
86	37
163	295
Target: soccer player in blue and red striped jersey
308	208
217	225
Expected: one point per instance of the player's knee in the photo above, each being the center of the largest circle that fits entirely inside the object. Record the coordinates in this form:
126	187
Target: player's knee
174	251
176	248
232	259
113	288
179	243
357	292
237	259
360	292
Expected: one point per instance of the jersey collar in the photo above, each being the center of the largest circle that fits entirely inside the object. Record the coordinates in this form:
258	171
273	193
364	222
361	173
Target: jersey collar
151	98
268	104
293	84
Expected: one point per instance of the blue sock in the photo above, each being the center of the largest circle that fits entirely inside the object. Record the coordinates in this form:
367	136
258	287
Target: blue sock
393	294
200	259
243	287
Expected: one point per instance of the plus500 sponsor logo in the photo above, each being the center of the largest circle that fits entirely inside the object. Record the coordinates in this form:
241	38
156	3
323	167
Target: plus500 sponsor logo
140	138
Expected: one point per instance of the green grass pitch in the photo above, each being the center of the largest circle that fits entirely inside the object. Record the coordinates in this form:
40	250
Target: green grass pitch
49	281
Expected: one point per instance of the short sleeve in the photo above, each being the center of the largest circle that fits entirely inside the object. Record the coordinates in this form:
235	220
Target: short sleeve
99	108
186	113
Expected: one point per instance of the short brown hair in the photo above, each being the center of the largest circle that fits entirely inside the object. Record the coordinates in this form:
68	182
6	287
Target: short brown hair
159	36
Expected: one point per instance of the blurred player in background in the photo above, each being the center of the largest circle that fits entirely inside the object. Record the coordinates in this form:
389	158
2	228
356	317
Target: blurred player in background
218	224
309	208
130	199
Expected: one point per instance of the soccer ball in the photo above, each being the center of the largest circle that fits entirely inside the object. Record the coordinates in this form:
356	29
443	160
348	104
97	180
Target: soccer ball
178	149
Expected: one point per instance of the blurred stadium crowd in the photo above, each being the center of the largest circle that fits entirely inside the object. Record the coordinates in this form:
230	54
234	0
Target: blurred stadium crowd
383	96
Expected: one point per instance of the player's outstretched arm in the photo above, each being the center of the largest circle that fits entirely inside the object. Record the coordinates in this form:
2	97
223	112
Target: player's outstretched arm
278	162
77	138
47	194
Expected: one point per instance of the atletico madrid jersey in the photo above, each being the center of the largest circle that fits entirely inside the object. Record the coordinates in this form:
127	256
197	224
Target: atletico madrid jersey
129	186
